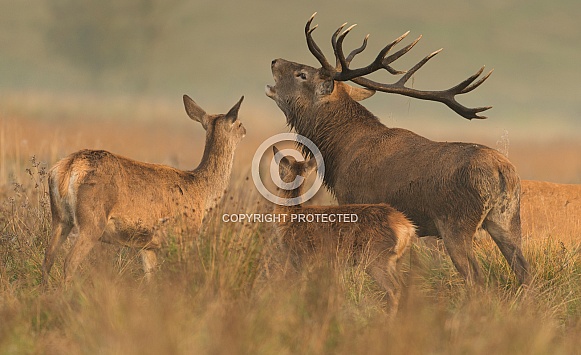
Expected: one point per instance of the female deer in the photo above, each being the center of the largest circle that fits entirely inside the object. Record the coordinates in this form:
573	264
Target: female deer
377	234
117	200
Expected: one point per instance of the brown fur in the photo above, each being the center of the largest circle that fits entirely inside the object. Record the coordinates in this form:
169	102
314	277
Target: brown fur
113	199
378	238
448	190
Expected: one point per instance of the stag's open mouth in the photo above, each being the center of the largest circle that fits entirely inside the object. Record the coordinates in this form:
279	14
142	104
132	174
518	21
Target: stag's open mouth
270	91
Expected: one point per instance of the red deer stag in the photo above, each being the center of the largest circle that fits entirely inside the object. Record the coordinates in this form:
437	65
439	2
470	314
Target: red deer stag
117	200
448	190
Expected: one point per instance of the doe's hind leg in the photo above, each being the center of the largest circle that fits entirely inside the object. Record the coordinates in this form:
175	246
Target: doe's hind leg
90	231
60	232
149	260
383	269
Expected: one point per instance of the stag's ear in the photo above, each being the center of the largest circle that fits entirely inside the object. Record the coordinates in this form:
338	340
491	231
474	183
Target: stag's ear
326	87
359	94
310	166
195	112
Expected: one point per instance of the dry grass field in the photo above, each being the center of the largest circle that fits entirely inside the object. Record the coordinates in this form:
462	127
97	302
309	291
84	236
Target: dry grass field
229	290
110	74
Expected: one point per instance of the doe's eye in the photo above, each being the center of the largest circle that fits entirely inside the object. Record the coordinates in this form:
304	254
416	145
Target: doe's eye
302	76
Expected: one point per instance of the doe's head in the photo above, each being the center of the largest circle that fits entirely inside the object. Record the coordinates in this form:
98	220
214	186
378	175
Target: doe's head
226	126
289	168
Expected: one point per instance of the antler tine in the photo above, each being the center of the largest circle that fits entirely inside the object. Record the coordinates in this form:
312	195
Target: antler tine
334	36
378	63
468	113
466	82
446	97
313	47
392	58
357	50
338	48
416	67
380	60
334	44
479	82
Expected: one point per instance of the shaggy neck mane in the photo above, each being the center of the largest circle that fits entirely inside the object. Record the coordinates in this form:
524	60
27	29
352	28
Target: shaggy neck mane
330	125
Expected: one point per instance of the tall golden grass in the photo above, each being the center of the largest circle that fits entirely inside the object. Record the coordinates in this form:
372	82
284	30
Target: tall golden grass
229	290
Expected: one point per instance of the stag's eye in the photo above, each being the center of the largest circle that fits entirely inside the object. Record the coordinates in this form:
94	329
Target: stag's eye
302	76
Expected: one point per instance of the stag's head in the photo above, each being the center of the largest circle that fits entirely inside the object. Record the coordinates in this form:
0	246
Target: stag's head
300	88
224	128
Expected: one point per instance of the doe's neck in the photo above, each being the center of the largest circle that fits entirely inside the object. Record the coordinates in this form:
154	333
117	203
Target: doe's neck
215	168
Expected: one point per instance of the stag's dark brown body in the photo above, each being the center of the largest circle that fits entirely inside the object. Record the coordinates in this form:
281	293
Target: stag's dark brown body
448	190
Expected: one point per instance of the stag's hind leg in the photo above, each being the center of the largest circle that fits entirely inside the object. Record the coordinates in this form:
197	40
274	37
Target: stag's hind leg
503	225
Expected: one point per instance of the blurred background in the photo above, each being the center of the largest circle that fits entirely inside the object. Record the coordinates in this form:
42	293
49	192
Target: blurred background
110	74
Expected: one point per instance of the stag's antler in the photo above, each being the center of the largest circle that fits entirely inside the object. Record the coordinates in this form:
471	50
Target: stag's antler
342	72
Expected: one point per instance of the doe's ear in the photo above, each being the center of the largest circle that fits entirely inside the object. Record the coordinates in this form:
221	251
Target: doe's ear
309	167
233	113
195	112
357	93
284	162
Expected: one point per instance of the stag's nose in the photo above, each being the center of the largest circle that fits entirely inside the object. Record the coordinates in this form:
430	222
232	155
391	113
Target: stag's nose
273	63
